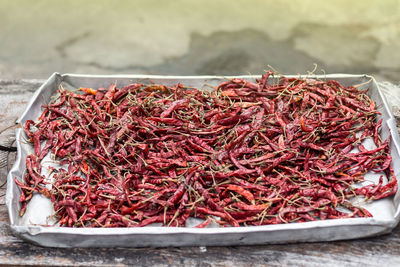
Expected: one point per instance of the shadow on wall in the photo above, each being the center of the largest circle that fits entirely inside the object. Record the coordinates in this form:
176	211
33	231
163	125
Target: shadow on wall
248	51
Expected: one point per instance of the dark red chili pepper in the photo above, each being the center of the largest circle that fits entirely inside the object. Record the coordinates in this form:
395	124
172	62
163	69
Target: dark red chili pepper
251	153
174	105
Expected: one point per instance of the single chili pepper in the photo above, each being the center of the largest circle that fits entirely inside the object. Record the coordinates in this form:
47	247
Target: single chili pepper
125	90
176	104
204	224
88	90
258	207
245	193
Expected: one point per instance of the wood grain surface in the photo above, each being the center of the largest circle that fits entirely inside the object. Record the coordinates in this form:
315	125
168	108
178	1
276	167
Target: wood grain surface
377	251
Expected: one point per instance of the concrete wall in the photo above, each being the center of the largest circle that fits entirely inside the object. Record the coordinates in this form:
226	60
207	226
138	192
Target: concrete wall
199	37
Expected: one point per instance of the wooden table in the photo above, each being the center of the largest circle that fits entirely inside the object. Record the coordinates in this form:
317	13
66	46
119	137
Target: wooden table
14	95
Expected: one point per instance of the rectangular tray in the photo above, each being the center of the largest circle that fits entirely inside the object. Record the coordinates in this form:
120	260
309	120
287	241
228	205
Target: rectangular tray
386	212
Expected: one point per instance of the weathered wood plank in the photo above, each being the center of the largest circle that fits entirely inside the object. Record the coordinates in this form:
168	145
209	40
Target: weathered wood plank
382	250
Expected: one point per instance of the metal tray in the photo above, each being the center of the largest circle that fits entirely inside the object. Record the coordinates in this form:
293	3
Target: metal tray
386	212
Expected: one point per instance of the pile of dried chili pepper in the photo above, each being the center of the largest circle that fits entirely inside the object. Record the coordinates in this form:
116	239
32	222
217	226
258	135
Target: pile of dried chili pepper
272	151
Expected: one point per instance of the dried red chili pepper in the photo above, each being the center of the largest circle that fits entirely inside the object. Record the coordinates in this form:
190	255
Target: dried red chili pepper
276	150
